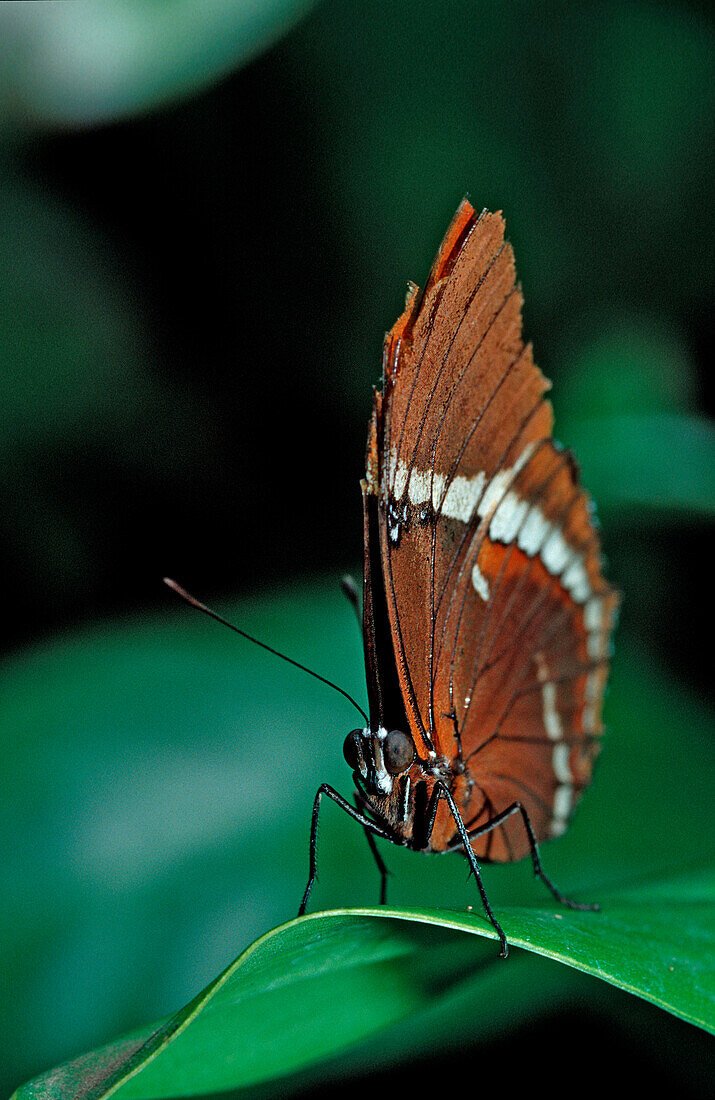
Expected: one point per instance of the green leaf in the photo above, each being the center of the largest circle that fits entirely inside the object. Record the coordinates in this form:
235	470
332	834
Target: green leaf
85	63
664	463
159	778
323	982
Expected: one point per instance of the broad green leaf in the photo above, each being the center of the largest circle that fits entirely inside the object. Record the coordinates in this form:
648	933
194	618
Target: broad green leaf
325	981
159	777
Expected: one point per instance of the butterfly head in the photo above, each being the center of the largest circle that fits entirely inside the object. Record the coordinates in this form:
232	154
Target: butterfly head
377	758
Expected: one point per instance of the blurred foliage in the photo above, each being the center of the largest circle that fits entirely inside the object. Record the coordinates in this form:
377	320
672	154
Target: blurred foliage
86	62
191	304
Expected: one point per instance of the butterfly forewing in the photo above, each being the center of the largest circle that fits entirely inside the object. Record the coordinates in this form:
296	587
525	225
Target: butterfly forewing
498	613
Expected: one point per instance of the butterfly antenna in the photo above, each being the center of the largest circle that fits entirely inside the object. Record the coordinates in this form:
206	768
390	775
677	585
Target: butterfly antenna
350	591
193	602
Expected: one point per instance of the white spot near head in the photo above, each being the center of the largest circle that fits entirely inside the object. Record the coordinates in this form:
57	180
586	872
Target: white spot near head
405	799
383	780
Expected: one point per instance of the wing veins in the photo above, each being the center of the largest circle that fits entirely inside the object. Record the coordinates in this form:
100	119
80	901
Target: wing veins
478	667
471	554
471	530
398	627
556	624
447	353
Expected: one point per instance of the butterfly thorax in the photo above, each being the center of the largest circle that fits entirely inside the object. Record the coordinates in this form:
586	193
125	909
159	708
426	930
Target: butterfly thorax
394	785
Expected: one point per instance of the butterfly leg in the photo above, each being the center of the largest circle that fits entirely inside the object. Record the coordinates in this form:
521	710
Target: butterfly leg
368	826
378	860
517	807
440	790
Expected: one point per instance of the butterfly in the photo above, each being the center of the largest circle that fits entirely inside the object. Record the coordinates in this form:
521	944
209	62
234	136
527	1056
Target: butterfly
486	617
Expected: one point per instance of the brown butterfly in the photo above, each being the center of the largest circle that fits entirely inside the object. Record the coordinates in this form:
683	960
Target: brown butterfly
486	618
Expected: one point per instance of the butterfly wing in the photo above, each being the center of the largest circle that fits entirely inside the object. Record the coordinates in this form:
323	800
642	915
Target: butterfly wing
498	611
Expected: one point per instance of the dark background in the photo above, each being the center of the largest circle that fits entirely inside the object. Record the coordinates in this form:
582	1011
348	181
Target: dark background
198	271
203	288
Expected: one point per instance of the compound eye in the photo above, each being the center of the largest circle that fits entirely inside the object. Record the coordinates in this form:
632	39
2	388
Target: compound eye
352	750
398	752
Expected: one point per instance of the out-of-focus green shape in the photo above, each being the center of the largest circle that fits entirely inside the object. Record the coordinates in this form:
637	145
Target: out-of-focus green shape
655	101
323	982
84	63
625	399
74	343
653	461
158	783
611	366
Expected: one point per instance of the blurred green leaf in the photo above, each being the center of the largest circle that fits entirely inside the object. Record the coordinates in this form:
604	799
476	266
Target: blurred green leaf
159	778
75	346
321	983
85	63
664	462
618	365
625	398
